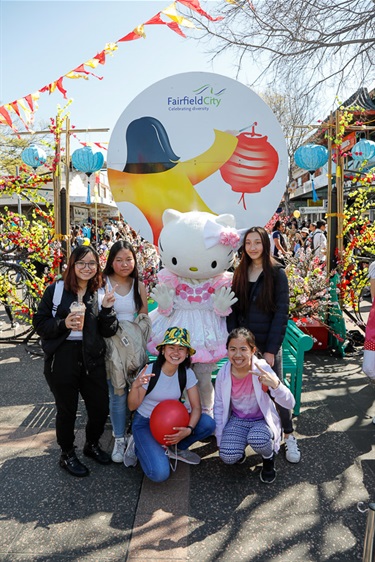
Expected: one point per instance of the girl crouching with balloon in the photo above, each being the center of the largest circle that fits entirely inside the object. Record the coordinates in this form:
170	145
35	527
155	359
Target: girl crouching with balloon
162	381
244	410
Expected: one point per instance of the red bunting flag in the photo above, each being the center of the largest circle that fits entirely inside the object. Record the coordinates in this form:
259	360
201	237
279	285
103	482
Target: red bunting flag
194	5
100	57
6	116
156	20
173	25
29	100
60	87
81	68
129	37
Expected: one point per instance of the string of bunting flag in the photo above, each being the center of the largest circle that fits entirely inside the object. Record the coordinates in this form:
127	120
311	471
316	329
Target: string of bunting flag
26	106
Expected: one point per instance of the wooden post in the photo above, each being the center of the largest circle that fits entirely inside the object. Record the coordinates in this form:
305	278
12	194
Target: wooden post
67	186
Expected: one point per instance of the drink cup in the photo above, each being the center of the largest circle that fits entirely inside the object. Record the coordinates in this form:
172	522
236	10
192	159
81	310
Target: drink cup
79	310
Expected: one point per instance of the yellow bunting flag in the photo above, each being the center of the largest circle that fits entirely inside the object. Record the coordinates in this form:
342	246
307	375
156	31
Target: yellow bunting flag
171	13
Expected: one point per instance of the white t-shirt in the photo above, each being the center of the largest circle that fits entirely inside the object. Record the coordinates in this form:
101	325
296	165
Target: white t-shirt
166	388
371	270
320	244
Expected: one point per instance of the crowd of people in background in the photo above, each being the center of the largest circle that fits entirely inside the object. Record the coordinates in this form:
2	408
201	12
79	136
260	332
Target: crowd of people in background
289	238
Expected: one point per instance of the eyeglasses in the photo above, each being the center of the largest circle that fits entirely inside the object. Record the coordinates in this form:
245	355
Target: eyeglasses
89	264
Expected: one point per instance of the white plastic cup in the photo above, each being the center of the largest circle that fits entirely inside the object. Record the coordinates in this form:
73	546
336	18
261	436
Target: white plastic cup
79	310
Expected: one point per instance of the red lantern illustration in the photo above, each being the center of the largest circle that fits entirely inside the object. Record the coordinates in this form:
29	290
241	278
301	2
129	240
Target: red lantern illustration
252	166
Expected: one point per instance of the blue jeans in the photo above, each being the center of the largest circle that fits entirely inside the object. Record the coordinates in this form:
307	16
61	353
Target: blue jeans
151	454
118	410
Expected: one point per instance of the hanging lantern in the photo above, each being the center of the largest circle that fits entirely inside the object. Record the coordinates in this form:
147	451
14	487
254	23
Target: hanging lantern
33	156
84	160
253	164
311	157
363	150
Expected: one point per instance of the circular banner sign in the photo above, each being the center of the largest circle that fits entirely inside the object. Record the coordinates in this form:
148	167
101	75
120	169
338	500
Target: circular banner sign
197	141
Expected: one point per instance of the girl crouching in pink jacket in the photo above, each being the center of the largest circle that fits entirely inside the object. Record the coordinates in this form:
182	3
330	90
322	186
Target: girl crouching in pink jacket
244	411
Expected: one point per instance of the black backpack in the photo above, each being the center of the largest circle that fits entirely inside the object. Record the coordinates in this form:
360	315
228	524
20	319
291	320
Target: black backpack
156	369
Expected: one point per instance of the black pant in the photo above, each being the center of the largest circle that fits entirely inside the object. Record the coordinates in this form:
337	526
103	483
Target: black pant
67	378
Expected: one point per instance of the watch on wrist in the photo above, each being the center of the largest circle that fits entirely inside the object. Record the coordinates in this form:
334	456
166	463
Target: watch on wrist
191	428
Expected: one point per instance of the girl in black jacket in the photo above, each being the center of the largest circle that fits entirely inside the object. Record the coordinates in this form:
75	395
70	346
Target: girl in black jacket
261	286
74	358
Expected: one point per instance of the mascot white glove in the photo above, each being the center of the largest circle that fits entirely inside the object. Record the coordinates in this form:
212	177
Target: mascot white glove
164	296
223	299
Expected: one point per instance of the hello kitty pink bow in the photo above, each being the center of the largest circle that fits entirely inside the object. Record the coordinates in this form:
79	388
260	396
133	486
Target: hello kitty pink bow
214	234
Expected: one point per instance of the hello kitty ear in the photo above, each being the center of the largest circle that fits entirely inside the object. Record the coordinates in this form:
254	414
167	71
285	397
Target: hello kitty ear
226	220
169	215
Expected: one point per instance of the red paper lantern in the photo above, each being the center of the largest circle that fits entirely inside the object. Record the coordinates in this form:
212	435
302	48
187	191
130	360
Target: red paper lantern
165	416
252	166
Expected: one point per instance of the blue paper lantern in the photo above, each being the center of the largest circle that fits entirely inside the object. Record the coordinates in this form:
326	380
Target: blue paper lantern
363	150
33	156
84	160
311	157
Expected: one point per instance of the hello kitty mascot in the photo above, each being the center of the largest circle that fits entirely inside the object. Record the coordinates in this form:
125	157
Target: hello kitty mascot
193	292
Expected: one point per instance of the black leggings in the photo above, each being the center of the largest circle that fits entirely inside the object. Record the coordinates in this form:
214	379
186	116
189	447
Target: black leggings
67	379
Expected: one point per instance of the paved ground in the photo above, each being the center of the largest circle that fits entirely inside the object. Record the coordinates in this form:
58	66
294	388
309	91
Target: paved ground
206	513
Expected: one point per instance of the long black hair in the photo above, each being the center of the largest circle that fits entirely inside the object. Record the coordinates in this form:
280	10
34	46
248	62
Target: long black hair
108	270
265	299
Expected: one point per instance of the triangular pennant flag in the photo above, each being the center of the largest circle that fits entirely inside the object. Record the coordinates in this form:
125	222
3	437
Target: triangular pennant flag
81	68
60	87
171	13
155	20
100	57
72	75
135	34
194	5
29	100
6	116
14	106
92	63
173	25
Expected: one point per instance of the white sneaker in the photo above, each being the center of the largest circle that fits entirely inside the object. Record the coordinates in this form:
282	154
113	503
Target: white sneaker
118	450
292	452
130	458
185	456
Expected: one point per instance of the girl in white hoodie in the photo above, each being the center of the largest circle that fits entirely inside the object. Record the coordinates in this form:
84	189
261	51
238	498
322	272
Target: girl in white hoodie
244	412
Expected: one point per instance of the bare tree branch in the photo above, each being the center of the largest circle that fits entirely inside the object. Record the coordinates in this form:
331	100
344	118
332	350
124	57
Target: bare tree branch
326	40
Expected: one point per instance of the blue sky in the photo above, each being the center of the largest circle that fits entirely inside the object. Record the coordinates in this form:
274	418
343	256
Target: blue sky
43	40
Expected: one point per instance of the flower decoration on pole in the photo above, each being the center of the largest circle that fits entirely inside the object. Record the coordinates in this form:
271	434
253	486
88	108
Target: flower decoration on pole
33	156
85	160
311	157
363	150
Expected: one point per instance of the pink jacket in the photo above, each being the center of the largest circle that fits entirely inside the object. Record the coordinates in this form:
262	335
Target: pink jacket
222	409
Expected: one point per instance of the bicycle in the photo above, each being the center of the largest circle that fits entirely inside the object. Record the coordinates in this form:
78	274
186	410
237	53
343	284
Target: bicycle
15	322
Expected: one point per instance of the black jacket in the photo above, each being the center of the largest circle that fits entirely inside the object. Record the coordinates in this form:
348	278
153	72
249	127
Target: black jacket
268	328
97	325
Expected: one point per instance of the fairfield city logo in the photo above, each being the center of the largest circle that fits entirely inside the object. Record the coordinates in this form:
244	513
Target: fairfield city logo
203	98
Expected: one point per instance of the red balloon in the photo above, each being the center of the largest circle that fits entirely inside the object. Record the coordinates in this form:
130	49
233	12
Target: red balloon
165	416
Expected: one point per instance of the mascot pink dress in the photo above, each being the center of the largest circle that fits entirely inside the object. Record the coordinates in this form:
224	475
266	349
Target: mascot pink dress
196	249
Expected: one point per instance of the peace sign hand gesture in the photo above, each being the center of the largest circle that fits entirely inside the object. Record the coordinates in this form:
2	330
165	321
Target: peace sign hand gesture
109	297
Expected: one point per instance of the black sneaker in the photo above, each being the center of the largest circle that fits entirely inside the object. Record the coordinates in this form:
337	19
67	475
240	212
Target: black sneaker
268	472
94	451
73	465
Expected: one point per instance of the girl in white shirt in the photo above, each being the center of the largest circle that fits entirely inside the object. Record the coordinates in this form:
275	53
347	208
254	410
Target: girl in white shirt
121	275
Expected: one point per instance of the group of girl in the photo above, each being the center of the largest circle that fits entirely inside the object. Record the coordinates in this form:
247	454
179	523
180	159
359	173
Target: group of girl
250	398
